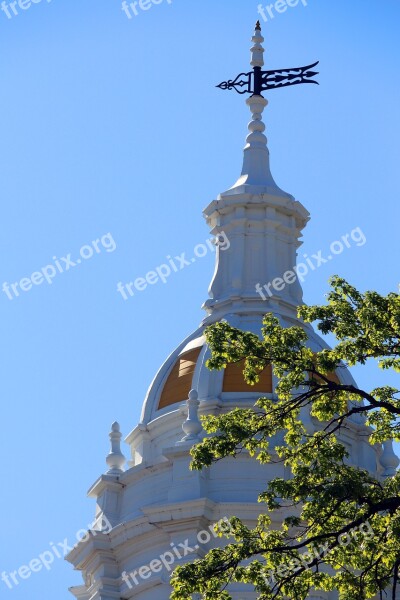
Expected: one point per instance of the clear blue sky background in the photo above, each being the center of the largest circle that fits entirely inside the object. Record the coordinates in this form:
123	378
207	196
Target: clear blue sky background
114	125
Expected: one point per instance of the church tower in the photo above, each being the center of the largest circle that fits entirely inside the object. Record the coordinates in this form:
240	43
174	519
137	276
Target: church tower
158	512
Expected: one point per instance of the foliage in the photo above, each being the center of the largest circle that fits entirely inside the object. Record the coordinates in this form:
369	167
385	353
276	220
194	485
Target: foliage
331	525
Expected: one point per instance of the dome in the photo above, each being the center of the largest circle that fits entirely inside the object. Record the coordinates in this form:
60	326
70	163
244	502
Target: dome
165	407
186	369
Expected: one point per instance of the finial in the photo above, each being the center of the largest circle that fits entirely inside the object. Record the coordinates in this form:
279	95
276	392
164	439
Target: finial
257	50
192	425
115	460
389	460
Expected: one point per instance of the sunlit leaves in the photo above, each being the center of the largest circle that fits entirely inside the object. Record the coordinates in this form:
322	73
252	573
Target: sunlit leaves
330	525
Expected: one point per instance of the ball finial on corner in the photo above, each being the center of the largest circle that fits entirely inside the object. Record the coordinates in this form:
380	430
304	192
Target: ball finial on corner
192	426
115	460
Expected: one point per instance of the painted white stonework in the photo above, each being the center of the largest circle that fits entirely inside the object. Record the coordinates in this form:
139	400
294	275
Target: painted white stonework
157	501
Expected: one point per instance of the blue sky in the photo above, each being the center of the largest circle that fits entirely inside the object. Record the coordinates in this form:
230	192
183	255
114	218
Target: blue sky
114	126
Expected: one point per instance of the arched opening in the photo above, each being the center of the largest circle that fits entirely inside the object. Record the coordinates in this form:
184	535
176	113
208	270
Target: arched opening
179	382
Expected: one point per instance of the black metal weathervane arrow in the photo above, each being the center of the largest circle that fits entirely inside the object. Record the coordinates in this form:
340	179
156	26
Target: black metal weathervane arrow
258	81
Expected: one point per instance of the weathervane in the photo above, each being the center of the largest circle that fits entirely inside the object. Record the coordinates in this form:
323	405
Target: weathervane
258	81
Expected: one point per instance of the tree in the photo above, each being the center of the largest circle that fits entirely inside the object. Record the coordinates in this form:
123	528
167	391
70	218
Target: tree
339	526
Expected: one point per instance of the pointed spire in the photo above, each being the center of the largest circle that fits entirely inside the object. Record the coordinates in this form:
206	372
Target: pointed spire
192	425
263	223
115	460
256	169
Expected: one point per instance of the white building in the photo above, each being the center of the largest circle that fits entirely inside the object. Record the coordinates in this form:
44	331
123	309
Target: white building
157	507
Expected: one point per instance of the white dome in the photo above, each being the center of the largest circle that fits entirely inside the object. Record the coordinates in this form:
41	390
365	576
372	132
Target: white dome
164	408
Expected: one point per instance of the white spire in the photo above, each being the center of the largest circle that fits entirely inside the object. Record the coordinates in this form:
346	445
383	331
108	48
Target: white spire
115	460
256	272
256	169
